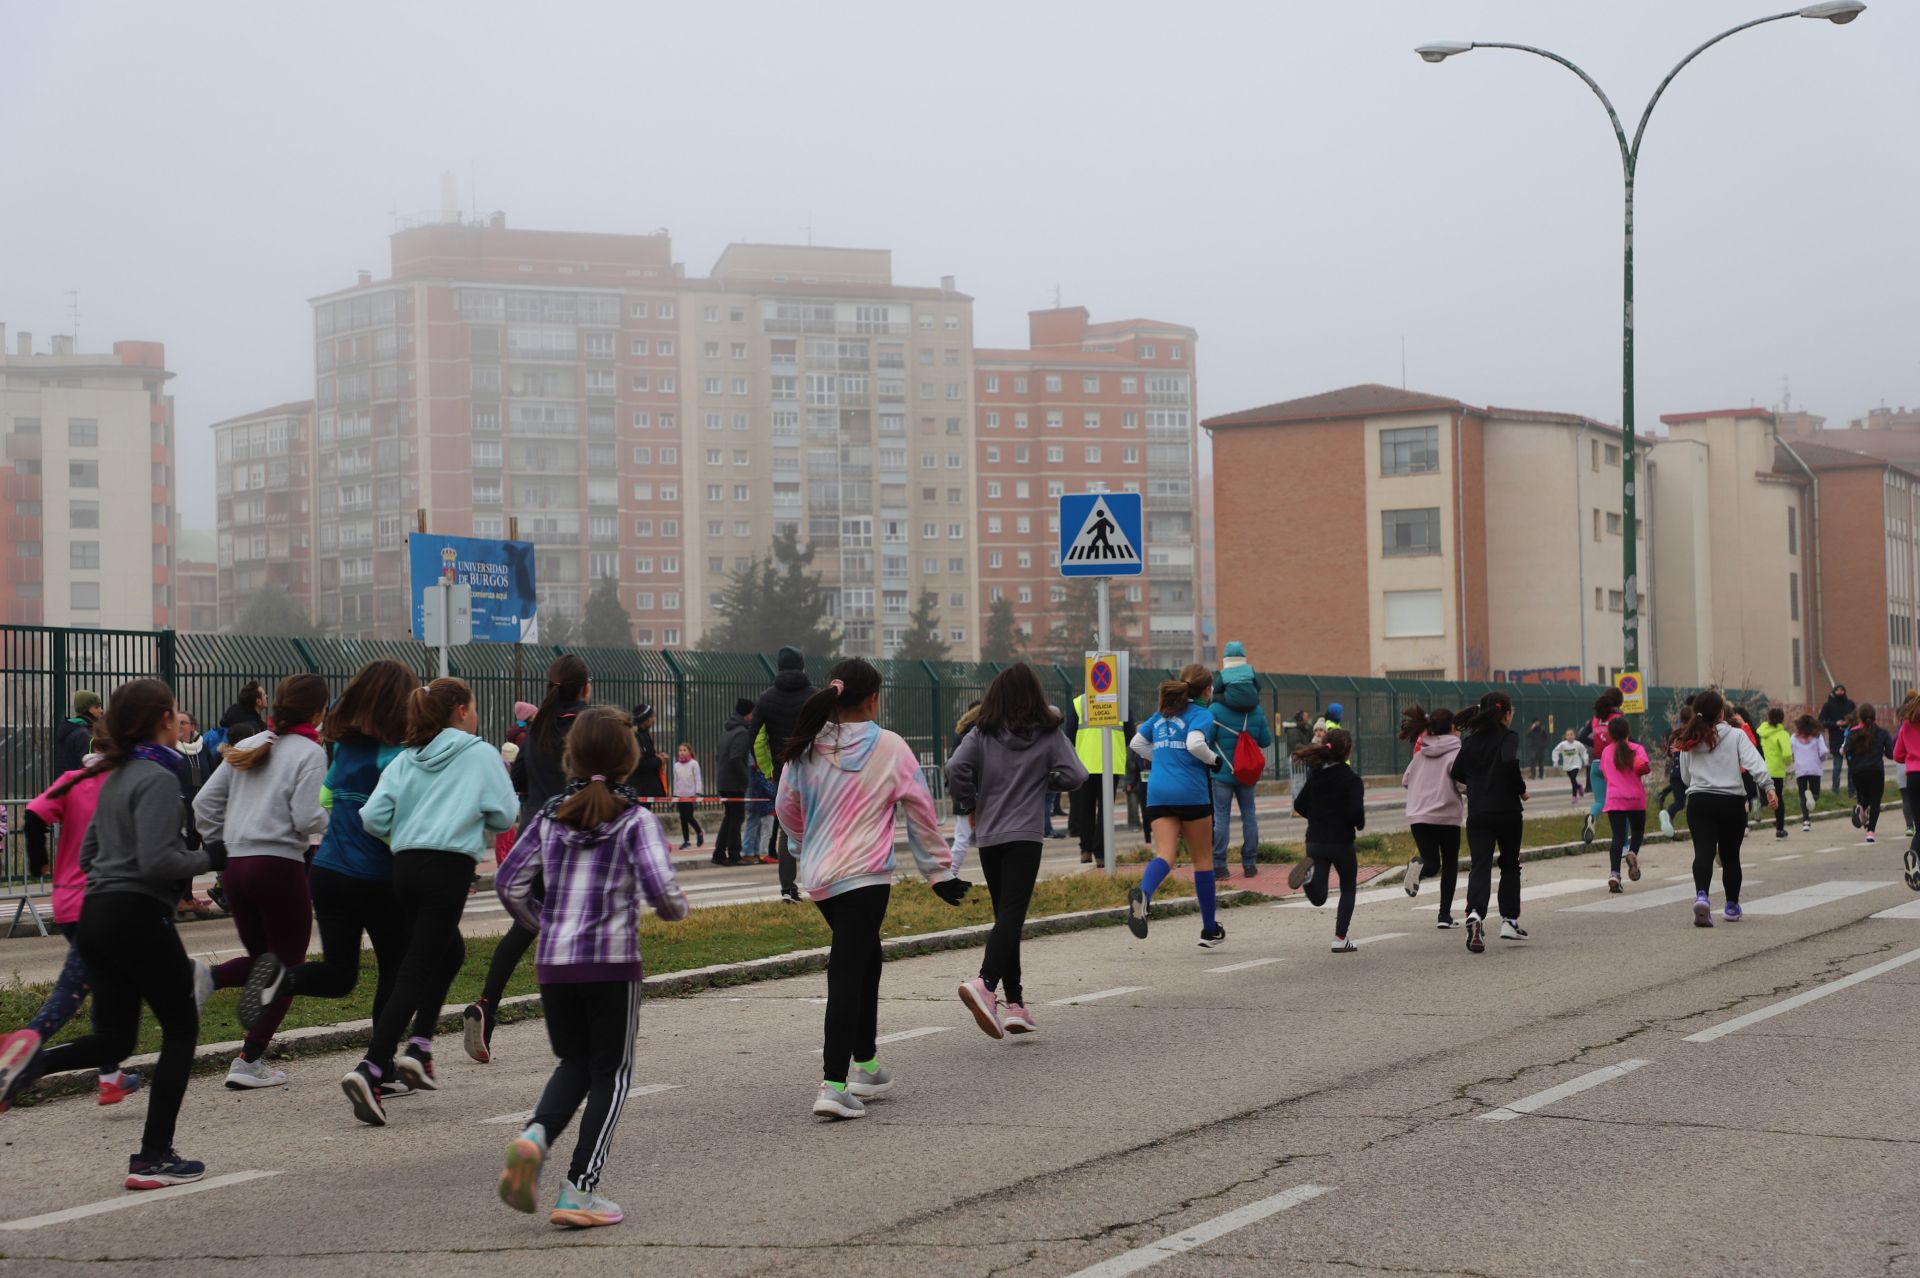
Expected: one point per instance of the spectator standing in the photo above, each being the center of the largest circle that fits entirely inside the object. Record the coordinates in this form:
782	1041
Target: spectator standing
730	779
1834	713
1084	803
247	716
73	740
1539	741
1298	734
774	716
649	779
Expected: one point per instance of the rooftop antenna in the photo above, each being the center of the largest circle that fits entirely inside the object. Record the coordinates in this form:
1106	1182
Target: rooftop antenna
73	315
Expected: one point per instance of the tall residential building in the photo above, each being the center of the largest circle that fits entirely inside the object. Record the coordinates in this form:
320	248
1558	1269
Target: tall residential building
1401	534
823	397
88	471
264	490
196	581
1090	408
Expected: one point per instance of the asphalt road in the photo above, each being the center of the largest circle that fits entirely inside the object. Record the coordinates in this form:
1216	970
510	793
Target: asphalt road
1622	1094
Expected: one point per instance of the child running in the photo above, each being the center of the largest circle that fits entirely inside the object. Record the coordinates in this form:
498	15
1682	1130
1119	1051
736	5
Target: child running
1606	708
1673	797
1867	747
1571	758
1334	802
1005	771
844	782
438	806
686	792
1488	767
1626	765
1435	810
1906	755
1177	744
598	857
1810	755
263	802
1717	760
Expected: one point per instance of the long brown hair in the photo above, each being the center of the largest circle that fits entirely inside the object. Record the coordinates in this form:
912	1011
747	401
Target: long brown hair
1621	736
1488	715
1864	738
1177	694
1806	727
297	699
567	678
431	710
1608	704
134	714
601	750
1334	747
858	679
1416	723
1016	702
1704	727
374	705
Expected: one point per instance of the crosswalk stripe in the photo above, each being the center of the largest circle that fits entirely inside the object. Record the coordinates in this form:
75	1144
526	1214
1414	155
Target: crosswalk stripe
1572	1087
1818	894
1241	967
1725	1028
1115	992
1911	910
1132	1262
648	1089
135	1200
1629	901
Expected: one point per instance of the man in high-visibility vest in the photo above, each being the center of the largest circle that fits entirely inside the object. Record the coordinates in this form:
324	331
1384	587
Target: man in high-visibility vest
1083	812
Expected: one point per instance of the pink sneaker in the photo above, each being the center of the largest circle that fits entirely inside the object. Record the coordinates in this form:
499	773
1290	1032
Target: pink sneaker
984	1004
1017	1019
17	1051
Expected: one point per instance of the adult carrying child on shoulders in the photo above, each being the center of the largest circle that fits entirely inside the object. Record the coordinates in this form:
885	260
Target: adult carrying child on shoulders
1238	717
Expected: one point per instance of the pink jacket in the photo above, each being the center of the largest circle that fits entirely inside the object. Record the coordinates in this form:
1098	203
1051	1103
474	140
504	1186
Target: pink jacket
1626	792
1906	747
1432	796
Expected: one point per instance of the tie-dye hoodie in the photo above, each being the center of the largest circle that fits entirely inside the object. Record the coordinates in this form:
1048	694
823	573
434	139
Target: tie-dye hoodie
839	804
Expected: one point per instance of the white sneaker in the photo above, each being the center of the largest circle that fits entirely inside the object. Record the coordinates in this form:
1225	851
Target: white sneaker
244	1075
1413	876
836	1104
202	985
1666	823
864	1084
1510	930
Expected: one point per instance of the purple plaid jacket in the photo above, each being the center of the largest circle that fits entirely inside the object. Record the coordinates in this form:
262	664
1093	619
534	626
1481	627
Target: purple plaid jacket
595	881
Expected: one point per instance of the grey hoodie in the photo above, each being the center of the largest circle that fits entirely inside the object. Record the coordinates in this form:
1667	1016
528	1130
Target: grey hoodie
271	809
135	843
1004	780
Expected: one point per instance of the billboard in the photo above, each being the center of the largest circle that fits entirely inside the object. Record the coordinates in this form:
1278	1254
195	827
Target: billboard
500	574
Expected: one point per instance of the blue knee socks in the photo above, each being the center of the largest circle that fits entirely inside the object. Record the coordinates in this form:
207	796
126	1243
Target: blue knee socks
1203	887
1156	874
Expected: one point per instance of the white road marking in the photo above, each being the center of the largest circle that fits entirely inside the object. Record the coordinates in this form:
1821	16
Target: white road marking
648	1089
1384	936
1911	910
1630	900
1553	1095
1791	856
1819	894
1115	992
1241	967
1132	1262
902	1036
134	1200
1800	1000
1369	896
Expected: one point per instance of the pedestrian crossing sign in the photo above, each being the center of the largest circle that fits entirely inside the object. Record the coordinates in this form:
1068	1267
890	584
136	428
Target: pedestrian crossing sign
1100	535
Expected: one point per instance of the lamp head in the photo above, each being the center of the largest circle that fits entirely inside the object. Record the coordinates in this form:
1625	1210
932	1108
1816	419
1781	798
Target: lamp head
1441	50
1838	12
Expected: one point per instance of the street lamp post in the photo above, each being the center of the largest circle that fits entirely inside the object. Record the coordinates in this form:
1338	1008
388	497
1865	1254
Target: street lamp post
1838	12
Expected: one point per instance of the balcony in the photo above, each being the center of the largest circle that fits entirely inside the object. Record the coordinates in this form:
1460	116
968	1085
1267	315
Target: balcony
1170	399
552	538
797	326
874	327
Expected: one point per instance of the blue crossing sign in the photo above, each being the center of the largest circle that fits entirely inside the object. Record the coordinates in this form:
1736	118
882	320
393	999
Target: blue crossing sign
1100	535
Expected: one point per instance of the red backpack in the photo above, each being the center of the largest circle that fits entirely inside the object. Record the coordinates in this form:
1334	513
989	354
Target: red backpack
1249	760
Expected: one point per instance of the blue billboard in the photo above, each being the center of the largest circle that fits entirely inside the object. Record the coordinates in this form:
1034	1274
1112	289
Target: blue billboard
500	574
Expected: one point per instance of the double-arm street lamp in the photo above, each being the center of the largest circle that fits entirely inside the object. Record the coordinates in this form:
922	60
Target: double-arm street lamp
1838	12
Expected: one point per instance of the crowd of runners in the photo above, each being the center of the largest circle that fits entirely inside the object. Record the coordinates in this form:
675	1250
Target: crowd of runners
366	812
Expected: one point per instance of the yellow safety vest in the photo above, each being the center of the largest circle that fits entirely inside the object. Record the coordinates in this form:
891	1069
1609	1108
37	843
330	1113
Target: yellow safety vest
1086	742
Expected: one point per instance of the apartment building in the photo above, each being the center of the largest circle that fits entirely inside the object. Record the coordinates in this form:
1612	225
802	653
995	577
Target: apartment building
1415	536
87	465
1090	408
264	493
196	584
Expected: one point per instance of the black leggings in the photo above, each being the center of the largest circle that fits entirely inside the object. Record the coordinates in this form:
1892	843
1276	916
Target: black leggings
345	908
429	896
689	823
1011	869
591	1026
1573	779
1868	788
853	977
1806	807
1629	831
1673	799
1485	833
1718	823
1336	856
134	956
1439	854
733	819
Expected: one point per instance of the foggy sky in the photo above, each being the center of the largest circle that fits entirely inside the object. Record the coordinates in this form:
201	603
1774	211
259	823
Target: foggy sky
1285	176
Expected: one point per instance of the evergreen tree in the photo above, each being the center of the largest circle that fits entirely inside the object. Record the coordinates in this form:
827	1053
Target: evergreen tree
740	609
922	642
558	628
273	612
606	624
1002	644
797	608
1077	630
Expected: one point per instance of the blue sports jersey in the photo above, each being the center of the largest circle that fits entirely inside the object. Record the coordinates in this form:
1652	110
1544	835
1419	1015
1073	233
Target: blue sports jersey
1178	779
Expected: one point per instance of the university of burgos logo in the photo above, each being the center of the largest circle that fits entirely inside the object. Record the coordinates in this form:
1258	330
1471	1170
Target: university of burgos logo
448	556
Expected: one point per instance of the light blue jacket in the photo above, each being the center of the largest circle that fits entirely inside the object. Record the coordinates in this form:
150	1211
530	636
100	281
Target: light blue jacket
450	795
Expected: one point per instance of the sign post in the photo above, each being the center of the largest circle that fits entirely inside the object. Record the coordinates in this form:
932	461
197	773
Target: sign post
1633	692
1100	536
448	621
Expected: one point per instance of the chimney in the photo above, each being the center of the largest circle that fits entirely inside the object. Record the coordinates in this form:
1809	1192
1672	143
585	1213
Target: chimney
25	340
62	344
946	283
365	276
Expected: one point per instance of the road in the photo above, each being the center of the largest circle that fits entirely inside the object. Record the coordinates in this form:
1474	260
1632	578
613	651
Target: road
1623	1093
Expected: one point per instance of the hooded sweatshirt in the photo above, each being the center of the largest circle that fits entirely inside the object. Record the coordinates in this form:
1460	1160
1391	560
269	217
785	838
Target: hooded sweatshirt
1626	787
736	747
449	795
839	805
347	848
1488	765
136	843
1236	685
1004	780
1808	755
1433	797
777	710
271	809
1776	747
73	813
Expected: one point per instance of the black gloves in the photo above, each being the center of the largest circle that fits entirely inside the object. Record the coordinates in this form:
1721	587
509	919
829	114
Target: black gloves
952	891
216	850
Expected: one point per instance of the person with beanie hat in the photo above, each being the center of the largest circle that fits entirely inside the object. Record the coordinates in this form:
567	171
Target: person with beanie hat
730	778
1328	721
73	740
774	716
523	712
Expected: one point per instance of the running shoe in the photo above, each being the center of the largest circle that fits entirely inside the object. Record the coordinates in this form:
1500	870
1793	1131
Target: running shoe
1510	930
476	1027
265	979
393	1089
865	1083
1859	818
1702	910
1779	834
245	1075
1301	873
1633	866
1213	938
1806	827
769	859
157	1171
363	1092
117	1086
202	985
1870	836
579	1210
17	1051
789	898
1586	830
520	1177
1447	922
415	1065
1732	912
1341	945
1911	860
985	1006
1666	823
1476	934
1137	907
1613	883
1016	1019
1413	876
833	1103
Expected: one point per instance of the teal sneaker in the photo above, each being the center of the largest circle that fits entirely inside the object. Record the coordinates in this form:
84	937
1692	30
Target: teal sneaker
580	1210
520	1178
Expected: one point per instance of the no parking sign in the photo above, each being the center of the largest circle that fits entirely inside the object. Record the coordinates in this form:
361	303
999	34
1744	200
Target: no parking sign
1633	692
1103	691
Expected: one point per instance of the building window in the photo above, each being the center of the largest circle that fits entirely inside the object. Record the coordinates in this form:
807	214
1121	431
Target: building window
1793	598
1055	419
83	474
1611	454
1613	524
1413	614
83	432
1410	532
1411	451
1146	351
1093	454
1053	385
82	514
1793	534
85	596
83	554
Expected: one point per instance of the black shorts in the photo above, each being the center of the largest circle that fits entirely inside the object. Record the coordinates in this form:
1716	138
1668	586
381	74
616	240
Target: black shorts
1178	811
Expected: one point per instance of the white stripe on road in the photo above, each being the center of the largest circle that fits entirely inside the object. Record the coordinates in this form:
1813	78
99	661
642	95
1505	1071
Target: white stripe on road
1241	967
1800	1000
135	1200
1384	936
1369	897
1791	856
902	1036
1115	992
1807	897
1911	910
1630	901
1132	1262
521	1117
1553	1095
1546	891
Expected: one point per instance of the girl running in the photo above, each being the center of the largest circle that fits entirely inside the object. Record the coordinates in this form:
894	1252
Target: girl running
1435	810
963	812
134	856
578	876
1606	708
1488	768
1334	802
1867	746
686	792
1714	758
1005	771
263	803
1571	758
1673	798
844	782
438	805
1177	744
1906	754
1626	765
1810	755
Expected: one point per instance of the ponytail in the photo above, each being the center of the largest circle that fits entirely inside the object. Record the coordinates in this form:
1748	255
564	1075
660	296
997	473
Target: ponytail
600	745
1488	715
1704	727
297	699
1622	751
1864	738
1177	694
567	678
432	709
1416	723
1335	747
851	683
